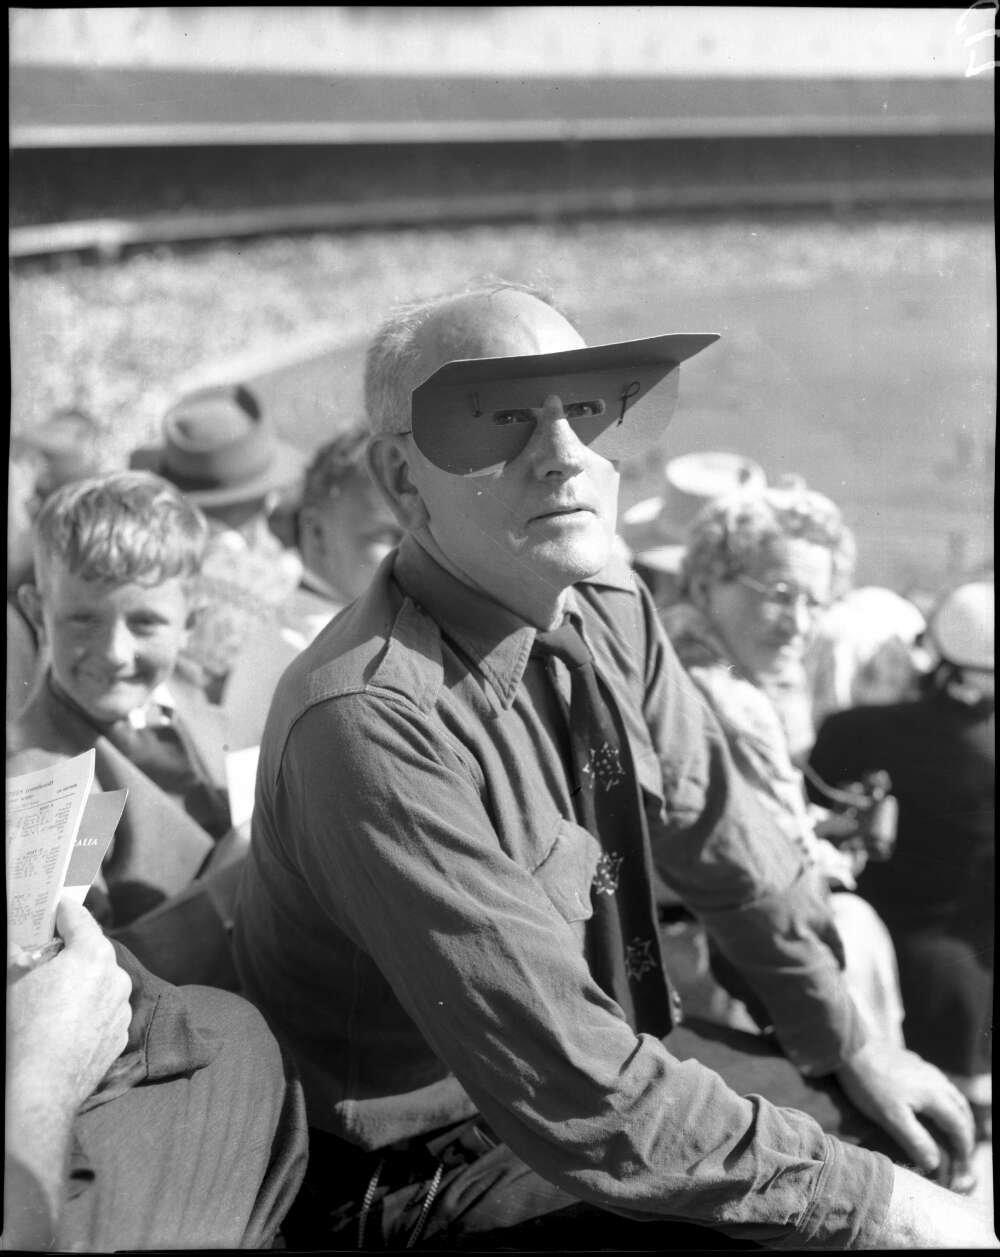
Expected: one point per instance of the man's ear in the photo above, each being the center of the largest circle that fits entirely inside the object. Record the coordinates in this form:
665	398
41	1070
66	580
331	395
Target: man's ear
30	602
389	465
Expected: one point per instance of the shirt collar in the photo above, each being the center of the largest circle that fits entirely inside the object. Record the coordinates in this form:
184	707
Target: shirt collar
495	638
159	708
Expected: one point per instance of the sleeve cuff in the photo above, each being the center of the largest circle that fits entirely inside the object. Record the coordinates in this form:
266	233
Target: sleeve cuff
851	1202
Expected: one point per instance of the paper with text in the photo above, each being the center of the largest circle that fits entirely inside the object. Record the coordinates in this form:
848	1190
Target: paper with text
101	815
44	810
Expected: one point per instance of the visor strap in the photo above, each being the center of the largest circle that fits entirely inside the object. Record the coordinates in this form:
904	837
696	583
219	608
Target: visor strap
627	396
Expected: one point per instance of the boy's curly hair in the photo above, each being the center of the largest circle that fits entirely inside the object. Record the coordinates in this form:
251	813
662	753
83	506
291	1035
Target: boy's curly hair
123	528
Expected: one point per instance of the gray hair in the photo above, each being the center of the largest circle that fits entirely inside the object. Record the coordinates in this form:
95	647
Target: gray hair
729	534
393	357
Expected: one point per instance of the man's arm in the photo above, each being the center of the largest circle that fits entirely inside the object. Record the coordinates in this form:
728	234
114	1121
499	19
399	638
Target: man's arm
398	846
67	1021
922	1215
722	855
721	850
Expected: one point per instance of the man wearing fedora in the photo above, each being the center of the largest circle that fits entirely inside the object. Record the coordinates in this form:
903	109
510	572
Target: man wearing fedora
468	786
220	450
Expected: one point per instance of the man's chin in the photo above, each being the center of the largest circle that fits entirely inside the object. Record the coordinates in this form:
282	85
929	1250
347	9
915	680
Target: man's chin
570	564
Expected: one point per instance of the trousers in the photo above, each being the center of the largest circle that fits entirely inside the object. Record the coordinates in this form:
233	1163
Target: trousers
461	1187
211	1159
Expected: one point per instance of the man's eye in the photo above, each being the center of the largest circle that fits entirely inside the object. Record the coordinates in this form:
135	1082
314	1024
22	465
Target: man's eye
584	410
513	416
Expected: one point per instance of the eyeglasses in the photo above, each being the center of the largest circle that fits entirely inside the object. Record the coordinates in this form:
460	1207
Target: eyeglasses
782	596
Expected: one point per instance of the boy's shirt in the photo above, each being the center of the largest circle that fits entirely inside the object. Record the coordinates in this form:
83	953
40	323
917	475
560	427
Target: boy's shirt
160	845
159	710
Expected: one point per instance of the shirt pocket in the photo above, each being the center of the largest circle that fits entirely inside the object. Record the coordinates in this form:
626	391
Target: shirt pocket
566	873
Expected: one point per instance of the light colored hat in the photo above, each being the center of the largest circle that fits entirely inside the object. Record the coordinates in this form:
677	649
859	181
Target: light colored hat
961	626
690	481
863	650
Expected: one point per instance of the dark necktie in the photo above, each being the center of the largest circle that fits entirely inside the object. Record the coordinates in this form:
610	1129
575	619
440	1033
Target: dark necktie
622	940
160	753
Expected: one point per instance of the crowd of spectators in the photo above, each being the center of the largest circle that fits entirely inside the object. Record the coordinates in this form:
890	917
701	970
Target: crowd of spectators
228	593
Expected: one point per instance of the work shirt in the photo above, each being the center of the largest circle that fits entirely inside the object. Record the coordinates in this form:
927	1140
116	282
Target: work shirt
413	912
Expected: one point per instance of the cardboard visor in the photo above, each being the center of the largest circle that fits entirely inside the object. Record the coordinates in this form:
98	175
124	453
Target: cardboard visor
475	414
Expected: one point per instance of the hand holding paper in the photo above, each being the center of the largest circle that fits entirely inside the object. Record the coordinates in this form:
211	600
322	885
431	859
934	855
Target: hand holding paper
57	835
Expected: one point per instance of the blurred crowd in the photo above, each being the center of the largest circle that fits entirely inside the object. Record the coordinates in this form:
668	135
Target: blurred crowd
152	610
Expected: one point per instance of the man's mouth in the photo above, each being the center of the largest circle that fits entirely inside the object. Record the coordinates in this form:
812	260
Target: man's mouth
573	508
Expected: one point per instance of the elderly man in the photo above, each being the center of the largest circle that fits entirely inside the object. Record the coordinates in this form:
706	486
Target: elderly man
448	908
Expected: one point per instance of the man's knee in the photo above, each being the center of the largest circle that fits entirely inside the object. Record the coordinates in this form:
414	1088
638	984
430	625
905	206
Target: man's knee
208	1158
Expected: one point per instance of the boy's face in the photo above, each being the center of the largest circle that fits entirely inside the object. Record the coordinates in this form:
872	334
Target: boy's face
345	538
110	645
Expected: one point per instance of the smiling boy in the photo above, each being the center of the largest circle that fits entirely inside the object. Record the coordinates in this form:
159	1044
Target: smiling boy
115	558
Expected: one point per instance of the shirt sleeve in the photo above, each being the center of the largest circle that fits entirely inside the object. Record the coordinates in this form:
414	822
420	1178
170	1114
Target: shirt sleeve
721	850
494	978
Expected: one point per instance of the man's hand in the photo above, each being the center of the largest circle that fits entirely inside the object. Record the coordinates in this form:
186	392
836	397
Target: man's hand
923	1215
67	1019
894	1087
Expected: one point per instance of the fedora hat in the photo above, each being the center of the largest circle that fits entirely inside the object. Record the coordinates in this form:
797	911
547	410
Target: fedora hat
219	450
689	482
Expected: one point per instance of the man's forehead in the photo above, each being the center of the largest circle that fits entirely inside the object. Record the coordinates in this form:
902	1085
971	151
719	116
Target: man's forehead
492	325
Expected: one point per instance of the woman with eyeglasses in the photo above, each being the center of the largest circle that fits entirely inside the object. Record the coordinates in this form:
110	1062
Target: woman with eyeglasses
759	568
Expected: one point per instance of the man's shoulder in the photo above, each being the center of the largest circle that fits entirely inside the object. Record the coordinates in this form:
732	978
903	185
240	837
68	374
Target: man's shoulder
382	645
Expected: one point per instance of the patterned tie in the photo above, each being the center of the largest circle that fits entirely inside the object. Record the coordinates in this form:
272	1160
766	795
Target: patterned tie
161	754
622	941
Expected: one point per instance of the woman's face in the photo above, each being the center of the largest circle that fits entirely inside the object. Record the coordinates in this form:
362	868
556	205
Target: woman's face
765	616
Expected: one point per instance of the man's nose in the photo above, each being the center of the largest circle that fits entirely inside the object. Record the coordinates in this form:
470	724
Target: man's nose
556	449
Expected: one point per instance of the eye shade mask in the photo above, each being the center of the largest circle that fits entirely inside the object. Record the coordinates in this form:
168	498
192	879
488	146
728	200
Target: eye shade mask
476	413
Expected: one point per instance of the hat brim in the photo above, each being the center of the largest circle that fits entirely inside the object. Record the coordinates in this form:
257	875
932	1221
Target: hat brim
669	351
286	467
468	415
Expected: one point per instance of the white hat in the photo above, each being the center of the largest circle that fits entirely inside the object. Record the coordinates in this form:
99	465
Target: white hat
690	481
961	626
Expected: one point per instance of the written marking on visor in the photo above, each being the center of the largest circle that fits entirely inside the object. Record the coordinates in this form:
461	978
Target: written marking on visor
529	414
